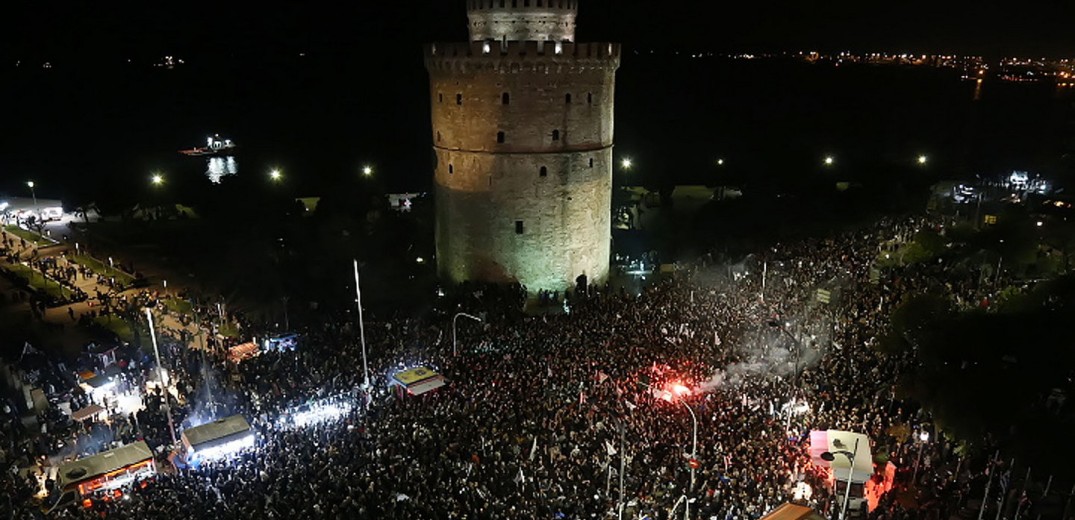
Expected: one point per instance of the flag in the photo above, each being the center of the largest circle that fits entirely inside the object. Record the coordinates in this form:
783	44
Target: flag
611	450
601	376
28	349
533	449
520	478
582	398
631	406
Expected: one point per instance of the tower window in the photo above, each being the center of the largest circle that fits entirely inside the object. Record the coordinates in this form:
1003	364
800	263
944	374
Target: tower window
591	162
589	98
518	227
438	136
544	172
500	137
505	98
440	97
459	99
451	168
567	98
555	135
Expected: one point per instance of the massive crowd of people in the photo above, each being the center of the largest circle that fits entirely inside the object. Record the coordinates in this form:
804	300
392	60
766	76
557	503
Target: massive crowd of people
542	411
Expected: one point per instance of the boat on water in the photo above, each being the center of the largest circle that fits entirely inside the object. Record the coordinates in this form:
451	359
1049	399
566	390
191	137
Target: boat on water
214	145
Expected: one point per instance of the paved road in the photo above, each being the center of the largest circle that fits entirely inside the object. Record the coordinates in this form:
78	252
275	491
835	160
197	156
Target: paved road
67	316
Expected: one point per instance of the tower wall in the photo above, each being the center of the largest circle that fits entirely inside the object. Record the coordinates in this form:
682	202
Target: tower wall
523	137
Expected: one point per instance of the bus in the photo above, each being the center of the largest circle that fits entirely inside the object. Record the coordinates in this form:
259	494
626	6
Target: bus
218	439
105	474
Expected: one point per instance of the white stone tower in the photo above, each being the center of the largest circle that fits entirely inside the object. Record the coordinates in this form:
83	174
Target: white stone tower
522	133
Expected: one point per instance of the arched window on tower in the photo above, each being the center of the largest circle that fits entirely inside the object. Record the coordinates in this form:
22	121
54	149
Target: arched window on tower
451	168
555	135
589	97
440	97
591	162
544	172
459	99
567	98
500	137
505	99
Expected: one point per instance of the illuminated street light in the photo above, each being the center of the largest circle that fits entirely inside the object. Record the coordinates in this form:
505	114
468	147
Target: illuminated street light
924	437
922	159
720	162
627	163
367	170
829	160
157	179
831	456
32	192
454	320
275	175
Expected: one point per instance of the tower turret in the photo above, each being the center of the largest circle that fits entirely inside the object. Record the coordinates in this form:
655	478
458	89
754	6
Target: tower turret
522	134
522	20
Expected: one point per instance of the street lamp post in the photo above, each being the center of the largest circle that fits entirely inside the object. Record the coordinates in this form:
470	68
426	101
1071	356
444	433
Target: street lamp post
831	456
32	192
622	455
454	320
795	375
924	438
362	331
160	375
694	457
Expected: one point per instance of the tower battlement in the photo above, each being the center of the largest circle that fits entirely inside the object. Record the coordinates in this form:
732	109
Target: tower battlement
522	20
521	54
516	5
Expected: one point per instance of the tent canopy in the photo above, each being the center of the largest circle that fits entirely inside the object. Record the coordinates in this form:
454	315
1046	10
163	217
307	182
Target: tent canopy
419	380
85	413
790	511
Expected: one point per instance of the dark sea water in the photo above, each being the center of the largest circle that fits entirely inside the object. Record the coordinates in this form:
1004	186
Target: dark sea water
320	118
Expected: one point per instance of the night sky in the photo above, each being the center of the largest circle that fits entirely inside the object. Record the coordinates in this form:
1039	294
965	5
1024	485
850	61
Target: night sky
65	31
